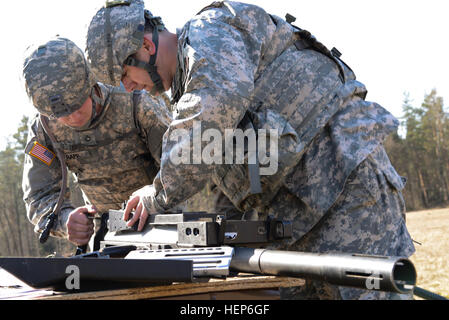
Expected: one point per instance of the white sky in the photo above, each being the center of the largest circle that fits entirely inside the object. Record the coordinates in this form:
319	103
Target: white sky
394	46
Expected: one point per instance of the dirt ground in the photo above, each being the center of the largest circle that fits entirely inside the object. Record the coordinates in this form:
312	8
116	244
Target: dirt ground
431	259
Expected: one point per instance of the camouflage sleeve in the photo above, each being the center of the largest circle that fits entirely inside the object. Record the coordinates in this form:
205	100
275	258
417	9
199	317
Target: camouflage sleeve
153	119
41	182
221	59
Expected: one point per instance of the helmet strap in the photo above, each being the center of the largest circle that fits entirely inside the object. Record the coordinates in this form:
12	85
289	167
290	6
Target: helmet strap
150	67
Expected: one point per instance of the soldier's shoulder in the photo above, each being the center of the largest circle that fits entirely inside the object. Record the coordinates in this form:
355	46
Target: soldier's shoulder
233	7
33	120
246	18
34	125
149	108
118	97
107	89
144	101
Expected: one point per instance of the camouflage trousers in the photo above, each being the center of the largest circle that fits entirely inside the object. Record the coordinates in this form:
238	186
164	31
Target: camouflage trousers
367	218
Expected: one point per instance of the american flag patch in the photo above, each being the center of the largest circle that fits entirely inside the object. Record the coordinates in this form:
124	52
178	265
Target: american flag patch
43	154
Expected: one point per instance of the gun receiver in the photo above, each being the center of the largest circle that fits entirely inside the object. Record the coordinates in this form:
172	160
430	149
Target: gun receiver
193	229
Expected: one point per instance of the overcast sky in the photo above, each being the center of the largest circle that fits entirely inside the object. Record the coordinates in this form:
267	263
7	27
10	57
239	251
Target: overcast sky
394	46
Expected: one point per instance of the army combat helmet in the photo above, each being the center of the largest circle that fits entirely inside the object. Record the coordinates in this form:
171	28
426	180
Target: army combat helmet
57	77
115	33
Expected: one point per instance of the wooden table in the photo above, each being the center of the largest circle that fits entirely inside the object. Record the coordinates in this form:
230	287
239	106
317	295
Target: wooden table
242	287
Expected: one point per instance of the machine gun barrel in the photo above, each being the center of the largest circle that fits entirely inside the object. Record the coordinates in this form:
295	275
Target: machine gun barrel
396	274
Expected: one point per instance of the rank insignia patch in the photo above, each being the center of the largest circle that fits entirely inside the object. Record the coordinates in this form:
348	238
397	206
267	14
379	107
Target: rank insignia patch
42	153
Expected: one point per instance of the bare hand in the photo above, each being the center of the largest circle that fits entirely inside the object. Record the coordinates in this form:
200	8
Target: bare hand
140	213
136	203
79	227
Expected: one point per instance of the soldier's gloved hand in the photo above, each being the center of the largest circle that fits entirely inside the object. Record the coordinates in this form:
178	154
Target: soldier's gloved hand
143	202
79	227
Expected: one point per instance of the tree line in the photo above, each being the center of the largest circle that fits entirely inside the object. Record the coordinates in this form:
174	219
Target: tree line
422	153
419	152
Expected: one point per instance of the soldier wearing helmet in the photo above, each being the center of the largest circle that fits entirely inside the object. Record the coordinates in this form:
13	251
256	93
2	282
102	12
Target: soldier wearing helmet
133	42
233	61
108	138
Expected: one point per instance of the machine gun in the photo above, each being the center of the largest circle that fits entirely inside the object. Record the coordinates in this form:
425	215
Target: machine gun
187	246
218	247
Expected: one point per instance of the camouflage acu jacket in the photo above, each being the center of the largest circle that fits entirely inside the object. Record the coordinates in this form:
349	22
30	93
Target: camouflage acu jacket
235	57
118	154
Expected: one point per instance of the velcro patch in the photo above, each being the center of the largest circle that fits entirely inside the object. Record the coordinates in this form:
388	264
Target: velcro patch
42	153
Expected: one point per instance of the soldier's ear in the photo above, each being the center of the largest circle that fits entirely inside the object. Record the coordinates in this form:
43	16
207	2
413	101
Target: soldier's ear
148	44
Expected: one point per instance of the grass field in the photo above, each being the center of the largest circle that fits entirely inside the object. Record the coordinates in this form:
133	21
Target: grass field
431	229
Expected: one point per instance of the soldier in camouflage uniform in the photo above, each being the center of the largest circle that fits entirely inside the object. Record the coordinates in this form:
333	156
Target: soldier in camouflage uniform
110	139
337	184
